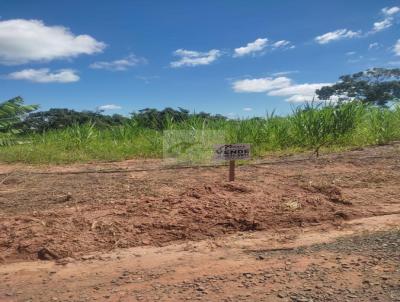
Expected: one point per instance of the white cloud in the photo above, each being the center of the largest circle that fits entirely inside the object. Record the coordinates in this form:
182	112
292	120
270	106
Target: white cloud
282	73
260	45
23	41
388	21
300	98
379	26
299	93
119	65
389	14
261	84
195	58
350	53
282	44
109	107
44	75
253	47
397	48
390	11
247	109
374	45
281	86
336	35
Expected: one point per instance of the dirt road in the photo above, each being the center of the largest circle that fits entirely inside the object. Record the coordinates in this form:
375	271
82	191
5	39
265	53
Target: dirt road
289	229
359	262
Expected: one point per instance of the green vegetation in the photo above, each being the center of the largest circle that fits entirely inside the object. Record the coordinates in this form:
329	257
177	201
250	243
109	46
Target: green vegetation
376	86
309	128
11	113
360	117
60	118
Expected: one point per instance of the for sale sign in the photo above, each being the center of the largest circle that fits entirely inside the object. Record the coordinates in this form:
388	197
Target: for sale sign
232	152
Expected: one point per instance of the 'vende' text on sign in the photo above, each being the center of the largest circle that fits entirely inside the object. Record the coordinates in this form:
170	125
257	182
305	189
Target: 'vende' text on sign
232	152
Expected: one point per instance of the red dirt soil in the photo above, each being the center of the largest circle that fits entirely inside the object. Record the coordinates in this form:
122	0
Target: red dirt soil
47	212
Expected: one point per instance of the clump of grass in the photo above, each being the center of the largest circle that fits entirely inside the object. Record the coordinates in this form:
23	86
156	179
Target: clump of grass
310	127
317	126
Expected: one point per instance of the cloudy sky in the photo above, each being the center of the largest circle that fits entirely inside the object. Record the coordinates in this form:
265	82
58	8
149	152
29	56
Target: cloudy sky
237	58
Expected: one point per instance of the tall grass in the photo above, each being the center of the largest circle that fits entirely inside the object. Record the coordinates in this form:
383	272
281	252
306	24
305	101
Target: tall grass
308	128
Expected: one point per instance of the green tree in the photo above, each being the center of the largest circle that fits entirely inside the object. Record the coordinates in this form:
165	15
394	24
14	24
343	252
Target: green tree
11	114
59	118
159	119
374	86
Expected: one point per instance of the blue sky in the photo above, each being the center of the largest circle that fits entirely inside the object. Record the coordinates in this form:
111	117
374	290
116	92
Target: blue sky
237	58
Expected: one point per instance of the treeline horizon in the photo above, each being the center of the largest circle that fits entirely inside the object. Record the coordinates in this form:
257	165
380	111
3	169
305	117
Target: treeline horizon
60	118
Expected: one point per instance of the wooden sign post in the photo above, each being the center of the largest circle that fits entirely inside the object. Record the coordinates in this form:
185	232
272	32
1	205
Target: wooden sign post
232	165
232	152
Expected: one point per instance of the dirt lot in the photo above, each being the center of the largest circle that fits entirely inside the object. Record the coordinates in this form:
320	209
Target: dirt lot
131	231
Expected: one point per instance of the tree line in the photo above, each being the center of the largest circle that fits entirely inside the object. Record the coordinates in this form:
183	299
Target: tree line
19	118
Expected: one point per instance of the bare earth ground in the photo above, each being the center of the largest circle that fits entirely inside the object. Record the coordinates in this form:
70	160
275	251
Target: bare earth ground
289	229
